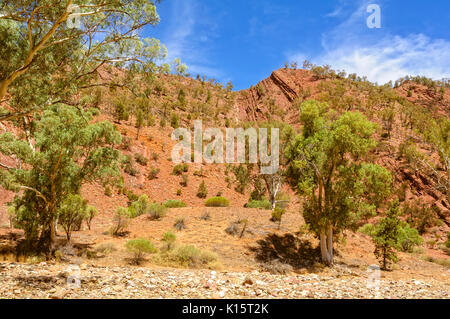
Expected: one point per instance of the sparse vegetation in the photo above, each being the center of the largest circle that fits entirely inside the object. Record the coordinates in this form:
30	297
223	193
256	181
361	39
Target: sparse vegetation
140	247
156	211
174	203
202	191
217	202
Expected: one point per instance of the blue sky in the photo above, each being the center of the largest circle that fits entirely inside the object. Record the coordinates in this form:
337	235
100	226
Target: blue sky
244	41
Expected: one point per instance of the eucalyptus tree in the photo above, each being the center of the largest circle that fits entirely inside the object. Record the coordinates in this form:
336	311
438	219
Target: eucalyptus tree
327	167
52	48
68	152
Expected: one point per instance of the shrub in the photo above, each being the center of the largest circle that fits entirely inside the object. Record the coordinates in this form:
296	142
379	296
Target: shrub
174	203
139	207
205	216
419	215
91	212
179	224
156	211
155	156
128	166
105	248
282	200
108	191
179	191
71	214
237	228
141	159
191	256
153	173
217	202
408	238
388	234
130	195
169	239
126	143
262	204
202	191
277	214
184	180
232	229
139	247
180	169
120	221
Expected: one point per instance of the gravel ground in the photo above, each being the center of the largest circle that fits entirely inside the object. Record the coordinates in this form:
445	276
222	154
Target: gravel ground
64	281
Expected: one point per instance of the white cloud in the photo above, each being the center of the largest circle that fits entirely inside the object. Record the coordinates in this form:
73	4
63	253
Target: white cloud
380	56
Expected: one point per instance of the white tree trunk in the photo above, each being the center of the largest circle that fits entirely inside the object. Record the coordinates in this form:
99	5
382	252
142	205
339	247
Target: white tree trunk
326	246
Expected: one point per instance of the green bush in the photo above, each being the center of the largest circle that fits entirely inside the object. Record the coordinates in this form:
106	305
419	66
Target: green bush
180	169
191	256
169	239
277	214
139	247
120	221
262	204
174	203
217	202
156	211
153	173
139	207
202	191
408	238
141	159
108	191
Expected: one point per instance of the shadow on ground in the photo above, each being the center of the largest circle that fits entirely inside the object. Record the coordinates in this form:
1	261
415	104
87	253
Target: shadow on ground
287	249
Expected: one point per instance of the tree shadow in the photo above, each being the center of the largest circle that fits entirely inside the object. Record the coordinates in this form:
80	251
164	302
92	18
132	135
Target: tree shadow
288	249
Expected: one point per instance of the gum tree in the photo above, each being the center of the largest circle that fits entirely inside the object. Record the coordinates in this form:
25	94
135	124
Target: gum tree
68	151
327	167
51	49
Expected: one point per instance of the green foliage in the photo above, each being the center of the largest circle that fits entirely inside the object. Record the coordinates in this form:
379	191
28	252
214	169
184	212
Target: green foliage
217	202
31	61
68	152
71	214
139	207
242	175
179	169
191	256
277	214
419	215
169	239
174	204
91	212
263	204
391	233
202	191
156	211
121	221
327	167
139	247
408	238
141	159
153	173
174	120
